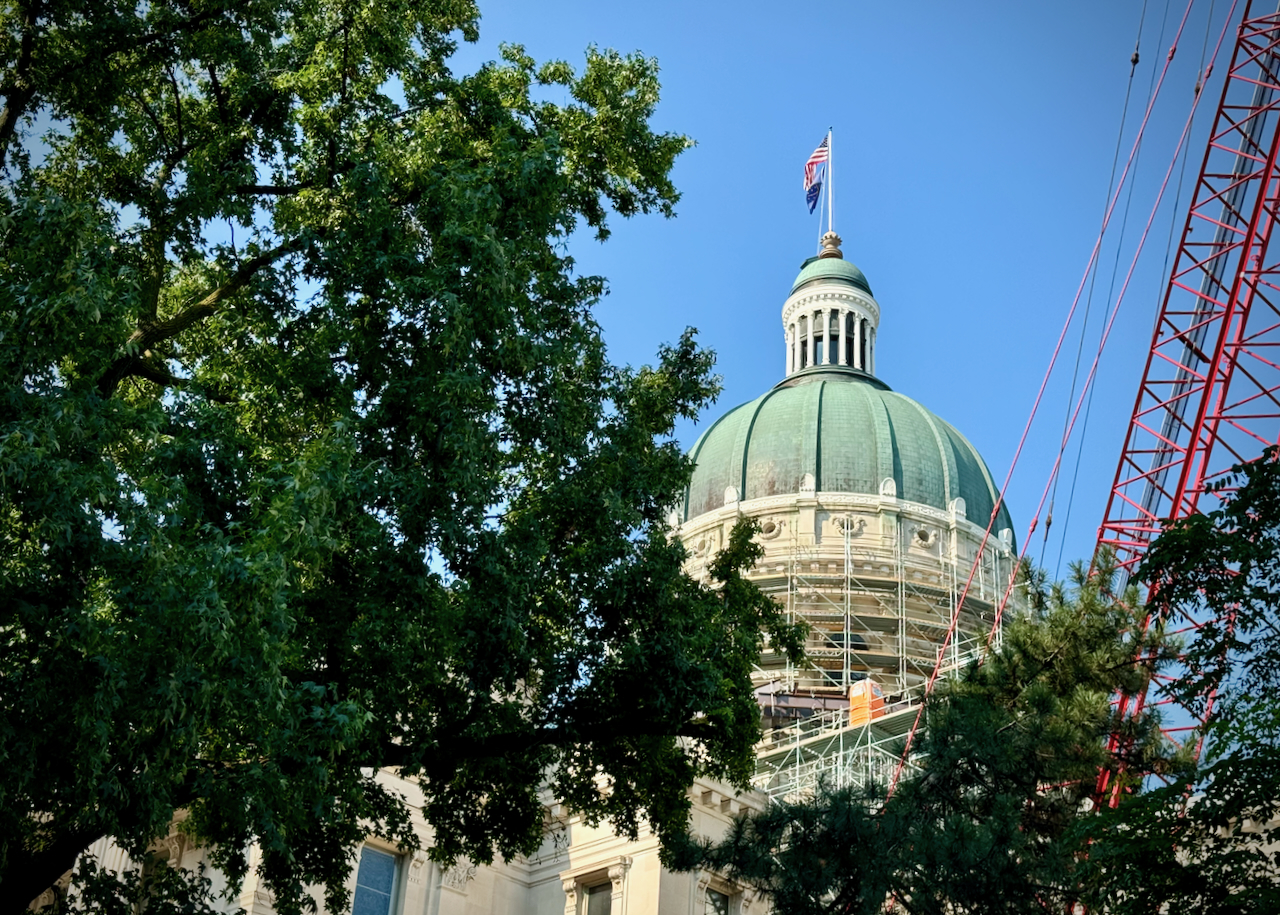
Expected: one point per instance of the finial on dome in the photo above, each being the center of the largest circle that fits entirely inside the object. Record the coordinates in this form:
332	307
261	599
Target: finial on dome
831	246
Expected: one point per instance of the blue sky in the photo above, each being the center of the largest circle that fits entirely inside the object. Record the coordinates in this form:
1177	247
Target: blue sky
973	147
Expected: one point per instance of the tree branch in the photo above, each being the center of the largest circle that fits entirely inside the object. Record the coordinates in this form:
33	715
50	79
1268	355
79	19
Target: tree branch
272	190
152	333
18	95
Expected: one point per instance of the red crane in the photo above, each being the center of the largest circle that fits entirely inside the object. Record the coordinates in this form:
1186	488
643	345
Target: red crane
1209	397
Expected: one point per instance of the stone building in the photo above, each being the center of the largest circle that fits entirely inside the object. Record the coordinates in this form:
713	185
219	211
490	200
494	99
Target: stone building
873	512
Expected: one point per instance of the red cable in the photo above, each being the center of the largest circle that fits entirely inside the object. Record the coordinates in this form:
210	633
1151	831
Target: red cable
955	616
1106	333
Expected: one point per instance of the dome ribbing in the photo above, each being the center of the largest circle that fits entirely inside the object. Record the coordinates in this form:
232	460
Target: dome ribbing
850	433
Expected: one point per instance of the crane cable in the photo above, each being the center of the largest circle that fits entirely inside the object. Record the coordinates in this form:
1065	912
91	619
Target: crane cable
1093	279
999	503
1201	78
1106	333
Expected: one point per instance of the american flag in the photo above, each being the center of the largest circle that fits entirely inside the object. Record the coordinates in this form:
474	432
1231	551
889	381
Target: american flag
816	158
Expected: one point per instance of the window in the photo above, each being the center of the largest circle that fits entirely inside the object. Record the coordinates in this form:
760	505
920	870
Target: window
848	339
375	883
717	903
599	898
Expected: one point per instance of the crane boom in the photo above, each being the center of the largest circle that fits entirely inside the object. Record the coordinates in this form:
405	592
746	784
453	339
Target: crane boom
1209	397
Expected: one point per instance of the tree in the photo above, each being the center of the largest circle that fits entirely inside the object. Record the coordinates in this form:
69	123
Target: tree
989	823
312	460
1208	843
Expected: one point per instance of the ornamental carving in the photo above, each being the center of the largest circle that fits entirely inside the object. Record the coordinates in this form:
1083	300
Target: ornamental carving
848	524
458	876
417	867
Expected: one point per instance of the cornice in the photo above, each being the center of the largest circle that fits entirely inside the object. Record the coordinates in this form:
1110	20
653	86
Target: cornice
834	501
826	293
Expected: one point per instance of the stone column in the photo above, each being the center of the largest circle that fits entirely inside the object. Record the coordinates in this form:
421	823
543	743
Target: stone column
843	347
871	350
826	335
857	342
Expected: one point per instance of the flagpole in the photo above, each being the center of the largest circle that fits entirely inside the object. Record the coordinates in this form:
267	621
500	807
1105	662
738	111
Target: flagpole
831	180
822	189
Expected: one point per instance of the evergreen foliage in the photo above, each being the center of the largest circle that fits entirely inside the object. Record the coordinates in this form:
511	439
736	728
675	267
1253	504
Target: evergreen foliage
312	460
1211	843
1011	752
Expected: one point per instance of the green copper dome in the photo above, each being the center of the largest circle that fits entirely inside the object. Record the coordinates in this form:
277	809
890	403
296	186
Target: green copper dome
831	268
850	432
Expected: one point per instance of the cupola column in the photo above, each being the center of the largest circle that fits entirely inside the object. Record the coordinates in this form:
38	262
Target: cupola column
843	349
857	343
827	314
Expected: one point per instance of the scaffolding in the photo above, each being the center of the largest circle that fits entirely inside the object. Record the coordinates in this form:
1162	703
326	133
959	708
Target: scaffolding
879	611
791	761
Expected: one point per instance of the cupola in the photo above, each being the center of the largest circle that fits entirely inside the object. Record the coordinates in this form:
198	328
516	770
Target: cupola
830	318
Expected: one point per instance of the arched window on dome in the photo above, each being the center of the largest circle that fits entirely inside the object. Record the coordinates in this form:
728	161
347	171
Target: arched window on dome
862	347
849	337
833	336
804	342
818	339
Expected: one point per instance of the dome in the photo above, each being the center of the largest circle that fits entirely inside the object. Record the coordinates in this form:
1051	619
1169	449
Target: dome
831	268
850	432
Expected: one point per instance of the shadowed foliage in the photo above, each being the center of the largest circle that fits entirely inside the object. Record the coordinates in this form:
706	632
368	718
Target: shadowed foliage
312	460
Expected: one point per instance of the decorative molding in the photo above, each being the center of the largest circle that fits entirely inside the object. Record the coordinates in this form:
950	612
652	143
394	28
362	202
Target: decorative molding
458	876
787	504
922	536
175	846
417	868
850	524
570	896
618	873
614	870
823	295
